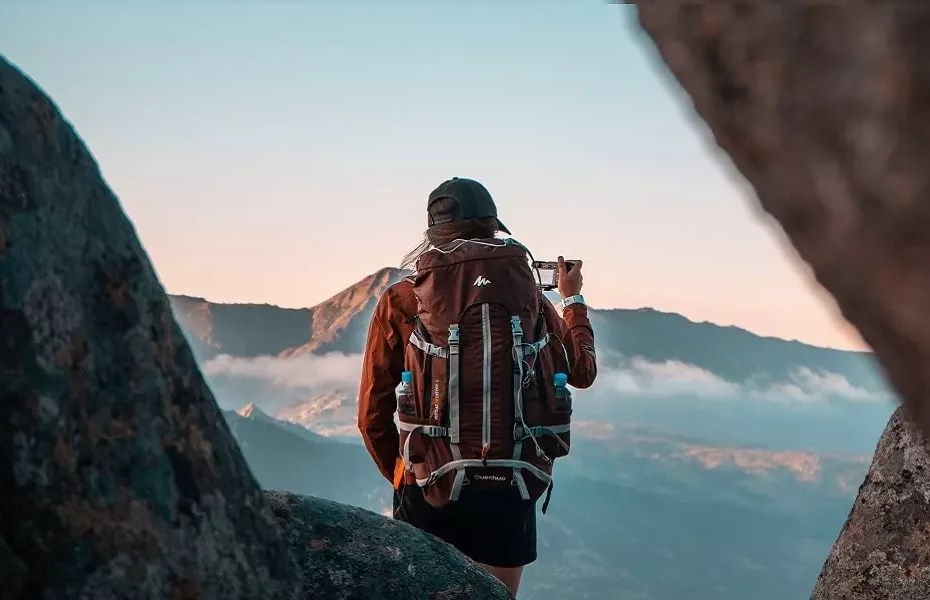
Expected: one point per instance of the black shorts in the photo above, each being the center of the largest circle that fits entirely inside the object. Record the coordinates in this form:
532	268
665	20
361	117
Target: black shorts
490	527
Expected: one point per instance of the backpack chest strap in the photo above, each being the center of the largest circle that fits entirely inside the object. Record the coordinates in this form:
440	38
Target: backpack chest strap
427	347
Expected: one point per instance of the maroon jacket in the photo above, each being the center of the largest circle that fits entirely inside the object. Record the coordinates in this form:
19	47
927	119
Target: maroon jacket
388	333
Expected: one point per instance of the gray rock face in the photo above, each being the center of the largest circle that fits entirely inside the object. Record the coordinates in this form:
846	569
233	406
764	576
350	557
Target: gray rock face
119	477
823	108
883	552
347	553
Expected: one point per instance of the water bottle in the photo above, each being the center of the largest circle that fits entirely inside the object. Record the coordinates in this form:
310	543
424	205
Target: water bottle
406	404
563	396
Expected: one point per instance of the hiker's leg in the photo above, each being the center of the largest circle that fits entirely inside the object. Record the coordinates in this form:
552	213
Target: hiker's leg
510	576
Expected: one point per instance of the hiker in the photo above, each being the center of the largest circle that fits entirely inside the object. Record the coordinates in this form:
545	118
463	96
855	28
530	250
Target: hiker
474	359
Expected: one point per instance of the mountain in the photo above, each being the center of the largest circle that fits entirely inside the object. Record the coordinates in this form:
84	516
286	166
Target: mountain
730	352
340	324
707	462
332	414
283	458
240	329
657	369
253	413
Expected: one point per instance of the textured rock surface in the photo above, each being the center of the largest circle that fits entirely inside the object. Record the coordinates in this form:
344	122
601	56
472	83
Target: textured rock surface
119	476
883	551
347	553
823	107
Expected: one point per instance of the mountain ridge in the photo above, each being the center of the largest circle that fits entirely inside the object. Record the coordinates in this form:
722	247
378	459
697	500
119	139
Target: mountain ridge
340	324
391	275
736	328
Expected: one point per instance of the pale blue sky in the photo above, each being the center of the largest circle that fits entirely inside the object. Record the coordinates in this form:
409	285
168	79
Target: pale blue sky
278	153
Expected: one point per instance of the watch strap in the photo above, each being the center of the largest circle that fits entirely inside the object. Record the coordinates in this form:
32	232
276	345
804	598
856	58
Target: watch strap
576	299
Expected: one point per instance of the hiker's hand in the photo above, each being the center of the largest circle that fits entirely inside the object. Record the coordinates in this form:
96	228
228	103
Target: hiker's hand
569	281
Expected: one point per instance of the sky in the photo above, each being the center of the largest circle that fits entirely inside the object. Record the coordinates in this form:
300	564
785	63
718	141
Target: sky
277	153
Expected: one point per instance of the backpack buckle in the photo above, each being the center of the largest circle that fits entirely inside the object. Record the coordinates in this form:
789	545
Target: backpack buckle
519	433
435	431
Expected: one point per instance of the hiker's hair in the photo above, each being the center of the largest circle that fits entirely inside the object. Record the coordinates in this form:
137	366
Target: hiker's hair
444	233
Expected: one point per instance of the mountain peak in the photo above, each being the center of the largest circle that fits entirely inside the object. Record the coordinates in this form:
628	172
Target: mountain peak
340	323
251	411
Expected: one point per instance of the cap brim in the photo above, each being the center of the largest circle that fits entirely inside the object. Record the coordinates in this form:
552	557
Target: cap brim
502	227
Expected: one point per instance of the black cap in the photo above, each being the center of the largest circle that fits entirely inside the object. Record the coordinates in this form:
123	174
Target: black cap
472	201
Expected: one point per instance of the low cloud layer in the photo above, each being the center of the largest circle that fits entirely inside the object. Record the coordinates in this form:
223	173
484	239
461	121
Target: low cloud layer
317	373
642	378
805	385
636	378
671	378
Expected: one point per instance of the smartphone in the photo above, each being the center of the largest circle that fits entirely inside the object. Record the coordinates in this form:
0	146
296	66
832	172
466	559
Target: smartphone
546	273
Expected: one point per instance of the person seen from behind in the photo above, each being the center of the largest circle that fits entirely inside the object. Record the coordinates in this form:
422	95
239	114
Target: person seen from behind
475	361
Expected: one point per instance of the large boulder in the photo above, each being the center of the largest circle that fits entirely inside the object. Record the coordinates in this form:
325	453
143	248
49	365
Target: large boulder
348	553
823	108
119	476
883	552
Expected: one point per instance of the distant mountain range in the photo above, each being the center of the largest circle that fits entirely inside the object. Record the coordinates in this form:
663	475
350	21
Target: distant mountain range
707	463
340	324
284	456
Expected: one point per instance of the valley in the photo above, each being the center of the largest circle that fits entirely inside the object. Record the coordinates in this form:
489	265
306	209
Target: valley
708	462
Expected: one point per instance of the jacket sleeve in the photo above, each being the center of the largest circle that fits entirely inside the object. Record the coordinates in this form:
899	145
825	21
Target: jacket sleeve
381	369
574	330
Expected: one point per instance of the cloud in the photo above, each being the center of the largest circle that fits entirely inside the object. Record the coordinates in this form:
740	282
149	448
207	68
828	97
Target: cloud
320	373
636	377
805	385
643	378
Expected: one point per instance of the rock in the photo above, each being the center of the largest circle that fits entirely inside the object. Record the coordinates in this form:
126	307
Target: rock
119	476
348	553
823	108
883	552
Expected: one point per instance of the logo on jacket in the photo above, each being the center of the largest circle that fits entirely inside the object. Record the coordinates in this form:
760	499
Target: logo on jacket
481	281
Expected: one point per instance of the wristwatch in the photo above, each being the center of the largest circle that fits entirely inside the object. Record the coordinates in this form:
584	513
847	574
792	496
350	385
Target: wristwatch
576	299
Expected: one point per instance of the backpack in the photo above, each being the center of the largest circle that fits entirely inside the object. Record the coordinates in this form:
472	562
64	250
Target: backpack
483	362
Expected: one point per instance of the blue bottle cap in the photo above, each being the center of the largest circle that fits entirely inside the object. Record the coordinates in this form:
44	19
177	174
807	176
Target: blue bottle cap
561	379
406	377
